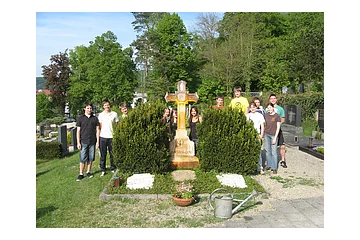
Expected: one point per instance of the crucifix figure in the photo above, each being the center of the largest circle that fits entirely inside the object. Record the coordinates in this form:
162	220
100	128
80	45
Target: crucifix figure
182	150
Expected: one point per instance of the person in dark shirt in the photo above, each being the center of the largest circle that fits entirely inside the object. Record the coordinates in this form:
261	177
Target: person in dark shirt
173	123
194	119
88	133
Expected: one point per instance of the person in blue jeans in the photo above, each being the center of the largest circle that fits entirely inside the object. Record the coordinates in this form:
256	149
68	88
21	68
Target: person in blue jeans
87	135
271	131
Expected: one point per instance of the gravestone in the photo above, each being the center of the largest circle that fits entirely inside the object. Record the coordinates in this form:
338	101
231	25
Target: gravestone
293	115
321	117
73	140
182	149
62	137
42	130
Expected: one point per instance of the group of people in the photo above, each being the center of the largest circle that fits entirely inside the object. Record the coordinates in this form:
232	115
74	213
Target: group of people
170	120
266	121
97	132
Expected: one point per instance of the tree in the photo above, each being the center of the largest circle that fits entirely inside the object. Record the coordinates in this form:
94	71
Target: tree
173	57
306	51
144	22
44	107
57	79
101	70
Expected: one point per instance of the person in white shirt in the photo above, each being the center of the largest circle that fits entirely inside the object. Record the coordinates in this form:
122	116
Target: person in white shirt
258	120
108	119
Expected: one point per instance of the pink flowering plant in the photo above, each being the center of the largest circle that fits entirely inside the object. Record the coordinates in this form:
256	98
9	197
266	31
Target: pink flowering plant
184	190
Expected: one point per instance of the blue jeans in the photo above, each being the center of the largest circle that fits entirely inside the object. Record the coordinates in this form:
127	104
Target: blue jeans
259	168
87	153
271	152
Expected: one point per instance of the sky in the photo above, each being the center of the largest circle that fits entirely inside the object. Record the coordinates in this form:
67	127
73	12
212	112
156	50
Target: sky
58	31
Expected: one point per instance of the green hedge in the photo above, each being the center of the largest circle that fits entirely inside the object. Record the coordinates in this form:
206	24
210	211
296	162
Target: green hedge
309	102
140	141
48	150
227	142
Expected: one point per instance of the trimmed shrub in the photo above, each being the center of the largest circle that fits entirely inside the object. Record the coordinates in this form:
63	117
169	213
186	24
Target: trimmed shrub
141	142
48	150
227	142
309	102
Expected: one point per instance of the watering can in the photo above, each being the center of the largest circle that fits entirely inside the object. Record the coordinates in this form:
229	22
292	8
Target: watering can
223	203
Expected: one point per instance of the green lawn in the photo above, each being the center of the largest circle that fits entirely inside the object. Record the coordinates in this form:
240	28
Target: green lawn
61	202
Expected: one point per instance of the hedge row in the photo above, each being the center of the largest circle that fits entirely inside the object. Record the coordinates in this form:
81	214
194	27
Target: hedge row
227	142
48	150
141	142
309	102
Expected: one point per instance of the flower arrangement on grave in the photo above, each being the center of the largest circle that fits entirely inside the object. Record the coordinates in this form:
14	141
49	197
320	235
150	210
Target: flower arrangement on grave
184	194
184	190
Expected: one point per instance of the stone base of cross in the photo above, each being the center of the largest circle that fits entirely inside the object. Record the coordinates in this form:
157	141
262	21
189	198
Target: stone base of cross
182	149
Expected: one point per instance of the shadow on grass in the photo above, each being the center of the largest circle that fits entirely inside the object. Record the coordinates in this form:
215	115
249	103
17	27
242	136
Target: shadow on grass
41	173
40	212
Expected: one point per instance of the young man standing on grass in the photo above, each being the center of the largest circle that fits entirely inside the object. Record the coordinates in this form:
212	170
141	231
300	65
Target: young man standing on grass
87	134
107	119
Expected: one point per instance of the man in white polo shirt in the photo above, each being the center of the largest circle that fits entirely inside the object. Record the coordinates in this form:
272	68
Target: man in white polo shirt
108	119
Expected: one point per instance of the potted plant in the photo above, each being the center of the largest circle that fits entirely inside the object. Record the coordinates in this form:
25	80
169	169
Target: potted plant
184	194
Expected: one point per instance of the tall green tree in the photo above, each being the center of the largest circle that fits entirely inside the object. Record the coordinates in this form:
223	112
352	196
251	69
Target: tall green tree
101	70
144	22
306	51
246	38
57	76
174	58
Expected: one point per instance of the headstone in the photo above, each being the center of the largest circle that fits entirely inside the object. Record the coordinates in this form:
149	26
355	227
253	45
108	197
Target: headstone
293	115
63	139
73	139
321	117
182	149
42	128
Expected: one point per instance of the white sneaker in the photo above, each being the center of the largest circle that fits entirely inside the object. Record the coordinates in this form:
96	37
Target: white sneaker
102	174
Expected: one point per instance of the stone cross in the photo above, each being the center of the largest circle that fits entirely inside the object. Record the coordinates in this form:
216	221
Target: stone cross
181	97
181	148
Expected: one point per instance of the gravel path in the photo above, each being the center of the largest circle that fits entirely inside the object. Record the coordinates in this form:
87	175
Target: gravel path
303	178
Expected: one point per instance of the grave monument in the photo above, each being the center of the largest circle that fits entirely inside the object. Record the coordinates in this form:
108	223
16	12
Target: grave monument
321	117
182	149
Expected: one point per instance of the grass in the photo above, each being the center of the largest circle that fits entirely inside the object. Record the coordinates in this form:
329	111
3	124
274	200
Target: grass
61	202
292	182
309	126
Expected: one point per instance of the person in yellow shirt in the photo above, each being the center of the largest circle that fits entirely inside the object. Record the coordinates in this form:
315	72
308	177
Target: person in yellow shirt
239	102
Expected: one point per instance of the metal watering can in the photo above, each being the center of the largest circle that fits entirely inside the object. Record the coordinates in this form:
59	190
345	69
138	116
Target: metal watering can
224	203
